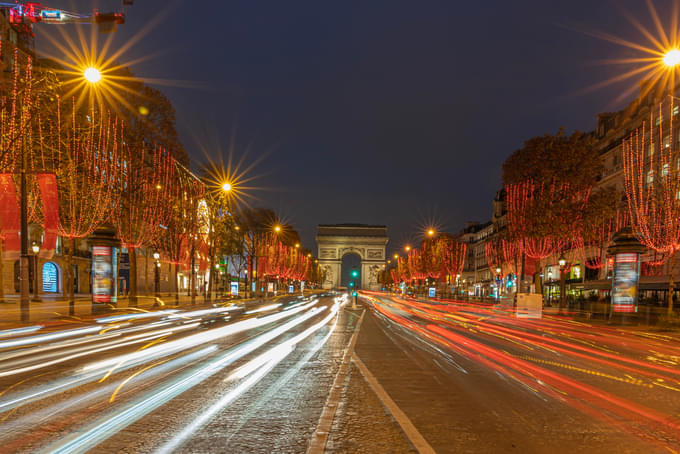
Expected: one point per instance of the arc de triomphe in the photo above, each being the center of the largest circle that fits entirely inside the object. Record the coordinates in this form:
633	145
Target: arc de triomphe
337	240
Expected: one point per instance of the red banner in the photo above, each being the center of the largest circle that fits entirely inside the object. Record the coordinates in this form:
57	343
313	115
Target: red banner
47	182
9	218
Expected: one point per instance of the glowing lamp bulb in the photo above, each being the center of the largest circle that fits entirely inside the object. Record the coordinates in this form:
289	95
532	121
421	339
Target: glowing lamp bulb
92	75
672	58
226	187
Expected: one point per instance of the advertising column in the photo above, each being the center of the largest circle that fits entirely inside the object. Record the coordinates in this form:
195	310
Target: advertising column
625	282
626	250
105	249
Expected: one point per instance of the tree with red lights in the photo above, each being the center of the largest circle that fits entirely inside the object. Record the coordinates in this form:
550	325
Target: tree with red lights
453	256
182	233
145	176
651	168
87	172
548	183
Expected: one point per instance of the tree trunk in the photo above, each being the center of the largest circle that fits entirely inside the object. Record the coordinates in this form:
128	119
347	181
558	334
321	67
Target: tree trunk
192	277
211	274
2	279
132	292
671	285
176	284
71	280
563	286
146	271
520	286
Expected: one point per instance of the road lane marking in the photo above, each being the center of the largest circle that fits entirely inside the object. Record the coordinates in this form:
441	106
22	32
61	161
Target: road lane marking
319	439
416	439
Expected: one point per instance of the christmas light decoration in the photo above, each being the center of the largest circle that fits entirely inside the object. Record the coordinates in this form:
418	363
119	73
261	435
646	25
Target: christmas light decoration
651	169
598	235
142	205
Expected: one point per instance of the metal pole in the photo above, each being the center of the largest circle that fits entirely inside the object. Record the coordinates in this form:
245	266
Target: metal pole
36	295
157	278
23	263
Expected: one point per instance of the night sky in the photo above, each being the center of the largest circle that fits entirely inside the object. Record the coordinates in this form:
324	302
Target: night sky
379	112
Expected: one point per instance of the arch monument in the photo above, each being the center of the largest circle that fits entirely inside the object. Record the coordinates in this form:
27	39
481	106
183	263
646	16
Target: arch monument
334	241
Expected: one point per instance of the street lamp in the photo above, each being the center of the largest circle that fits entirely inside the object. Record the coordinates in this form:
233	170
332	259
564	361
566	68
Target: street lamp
430	232
550	276
396	256
226	186
671	58
92	75
277	228
35	248
562	261
157	274
407	248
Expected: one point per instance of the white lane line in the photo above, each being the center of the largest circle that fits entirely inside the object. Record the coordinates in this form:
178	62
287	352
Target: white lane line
407	426
317	444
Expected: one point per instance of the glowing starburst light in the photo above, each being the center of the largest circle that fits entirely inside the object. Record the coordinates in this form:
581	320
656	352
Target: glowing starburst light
658	53
92	75
672	58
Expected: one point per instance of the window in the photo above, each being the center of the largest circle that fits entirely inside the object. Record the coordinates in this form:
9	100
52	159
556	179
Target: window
665	170
650	151
666	141
676	109
650	178
658	120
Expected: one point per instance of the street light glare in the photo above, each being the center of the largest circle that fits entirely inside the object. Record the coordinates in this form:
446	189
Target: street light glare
92	75
672	58
226	187
430	232
277	228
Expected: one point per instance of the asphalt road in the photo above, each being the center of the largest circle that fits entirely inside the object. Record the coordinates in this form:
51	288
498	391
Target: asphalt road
225	379
475	378
313	375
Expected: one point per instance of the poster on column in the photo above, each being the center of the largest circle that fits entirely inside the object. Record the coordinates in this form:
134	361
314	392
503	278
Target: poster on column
102	274
625	282
234	288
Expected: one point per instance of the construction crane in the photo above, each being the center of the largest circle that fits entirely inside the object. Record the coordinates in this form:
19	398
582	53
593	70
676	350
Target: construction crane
22	16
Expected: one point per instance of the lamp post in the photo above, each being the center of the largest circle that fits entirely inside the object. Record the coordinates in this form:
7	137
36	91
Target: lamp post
498	282
550	275
563	280
35	248
157	274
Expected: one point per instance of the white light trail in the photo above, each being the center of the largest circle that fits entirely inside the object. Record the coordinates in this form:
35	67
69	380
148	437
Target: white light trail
123	317
193	340
107	426
24	422
40	338
259	367
263	309
88	351
19	331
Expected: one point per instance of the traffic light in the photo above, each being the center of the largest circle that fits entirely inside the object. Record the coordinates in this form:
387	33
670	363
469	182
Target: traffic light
355	273
351	284
354	293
